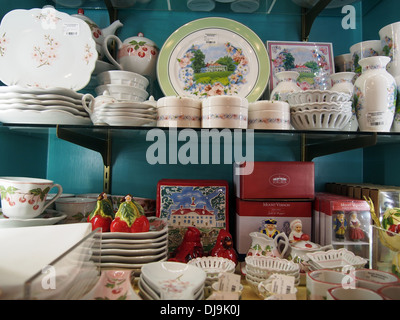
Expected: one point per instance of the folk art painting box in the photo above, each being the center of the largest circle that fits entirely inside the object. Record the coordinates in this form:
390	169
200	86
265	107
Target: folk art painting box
202	204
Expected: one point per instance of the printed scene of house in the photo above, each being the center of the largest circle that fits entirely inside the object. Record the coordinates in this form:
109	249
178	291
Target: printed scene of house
311	62
209	70
193	206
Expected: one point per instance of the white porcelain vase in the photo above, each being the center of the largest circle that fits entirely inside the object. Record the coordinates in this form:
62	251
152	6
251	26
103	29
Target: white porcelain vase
344	82
375	93
287	84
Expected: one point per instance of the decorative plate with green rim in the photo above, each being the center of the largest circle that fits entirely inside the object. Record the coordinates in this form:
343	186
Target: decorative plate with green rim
213	56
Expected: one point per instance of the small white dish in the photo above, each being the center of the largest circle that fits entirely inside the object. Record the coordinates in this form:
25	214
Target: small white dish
112	239
49	217
336	259
213	266
134	259
174	280
124	78
158	228
123	92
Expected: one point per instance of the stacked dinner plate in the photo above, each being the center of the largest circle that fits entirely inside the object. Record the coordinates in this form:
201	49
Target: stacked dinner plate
133	250
167	280
41	106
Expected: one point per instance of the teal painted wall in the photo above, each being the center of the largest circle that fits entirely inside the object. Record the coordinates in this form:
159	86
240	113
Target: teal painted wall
80	170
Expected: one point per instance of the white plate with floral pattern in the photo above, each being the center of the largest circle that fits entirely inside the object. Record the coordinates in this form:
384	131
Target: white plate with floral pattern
46	48
213	56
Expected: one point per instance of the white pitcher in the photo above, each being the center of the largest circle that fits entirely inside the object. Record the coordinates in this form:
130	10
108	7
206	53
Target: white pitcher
263	245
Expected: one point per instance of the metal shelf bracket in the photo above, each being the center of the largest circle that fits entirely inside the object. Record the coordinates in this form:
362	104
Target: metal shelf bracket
309	15
101	145
311	151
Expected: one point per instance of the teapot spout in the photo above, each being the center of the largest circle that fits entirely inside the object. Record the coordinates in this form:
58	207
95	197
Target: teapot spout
112	28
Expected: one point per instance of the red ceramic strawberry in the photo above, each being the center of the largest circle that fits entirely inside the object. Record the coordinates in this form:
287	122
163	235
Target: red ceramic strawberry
102	214
130	217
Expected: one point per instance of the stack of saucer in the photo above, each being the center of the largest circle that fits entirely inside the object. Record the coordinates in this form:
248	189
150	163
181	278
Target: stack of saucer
133	250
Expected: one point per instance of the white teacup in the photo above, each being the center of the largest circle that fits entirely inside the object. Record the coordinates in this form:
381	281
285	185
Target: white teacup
76	208
319	281
90	103
374	279
391	292
340	293
24	197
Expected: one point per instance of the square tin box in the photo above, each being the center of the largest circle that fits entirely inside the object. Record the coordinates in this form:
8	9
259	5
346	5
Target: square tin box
197	203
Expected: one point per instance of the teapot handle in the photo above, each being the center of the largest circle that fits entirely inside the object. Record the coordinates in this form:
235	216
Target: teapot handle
107	52
88	106
286	241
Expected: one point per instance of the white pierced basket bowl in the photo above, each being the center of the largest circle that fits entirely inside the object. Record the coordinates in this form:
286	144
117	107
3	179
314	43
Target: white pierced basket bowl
213	266
321	119
339	260
321	106
263	267
311	96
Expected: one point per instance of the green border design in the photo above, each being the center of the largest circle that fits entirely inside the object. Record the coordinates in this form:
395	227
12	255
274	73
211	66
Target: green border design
222	23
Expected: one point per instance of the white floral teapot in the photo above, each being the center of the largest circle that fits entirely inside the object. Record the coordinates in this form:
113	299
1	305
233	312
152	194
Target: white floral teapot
135	54
299	249
98	34
263	245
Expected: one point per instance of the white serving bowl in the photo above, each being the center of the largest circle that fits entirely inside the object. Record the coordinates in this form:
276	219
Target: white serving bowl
123	92
213	266
374	279
320	119
224	117
122	77
76	208
390	292
308	96
318	282
340	293
173	280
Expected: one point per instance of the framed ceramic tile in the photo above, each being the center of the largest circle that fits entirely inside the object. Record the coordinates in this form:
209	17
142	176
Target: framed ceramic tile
193	203
314	61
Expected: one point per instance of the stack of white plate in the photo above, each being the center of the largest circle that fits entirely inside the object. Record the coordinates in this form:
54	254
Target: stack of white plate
133	250
169	280
125	114
41	106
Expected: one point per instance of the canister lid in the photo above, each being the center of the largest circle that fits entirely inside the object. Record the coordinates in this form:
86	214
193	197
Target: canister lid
233	101
269	105
177	101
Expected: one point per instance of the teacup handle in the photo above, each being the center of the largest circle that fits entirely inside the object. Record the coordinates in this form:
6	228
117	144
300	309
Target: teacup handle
88	106
107	53
60	191
286	242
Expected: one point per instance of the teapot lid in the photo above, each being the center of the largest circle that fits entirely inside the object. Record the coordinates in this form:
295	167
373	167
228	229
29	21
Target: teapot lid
306	245
141	38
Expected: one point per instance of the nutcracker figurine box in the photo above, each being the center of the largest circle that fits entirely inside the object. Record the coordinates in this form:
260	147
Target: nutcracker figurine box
275	180
345	223
202	204
294	218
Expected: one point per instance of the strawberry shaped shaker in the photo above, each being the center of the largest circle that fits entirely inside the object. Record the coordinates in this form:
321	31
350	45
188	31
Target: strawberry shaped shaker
103	214
130	217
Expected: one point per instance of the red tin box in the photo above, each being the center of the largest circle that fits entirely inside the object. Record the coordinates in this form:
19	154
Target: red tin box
197	203
275	180
250	216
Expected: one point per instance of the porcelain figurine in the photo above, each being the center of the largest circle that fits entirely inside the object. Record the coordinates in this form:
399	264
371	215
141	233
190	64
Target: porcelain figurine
136	54
340	226
375	94
356	233
190	248
296	233
97	33
224	247
270	228
287	84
